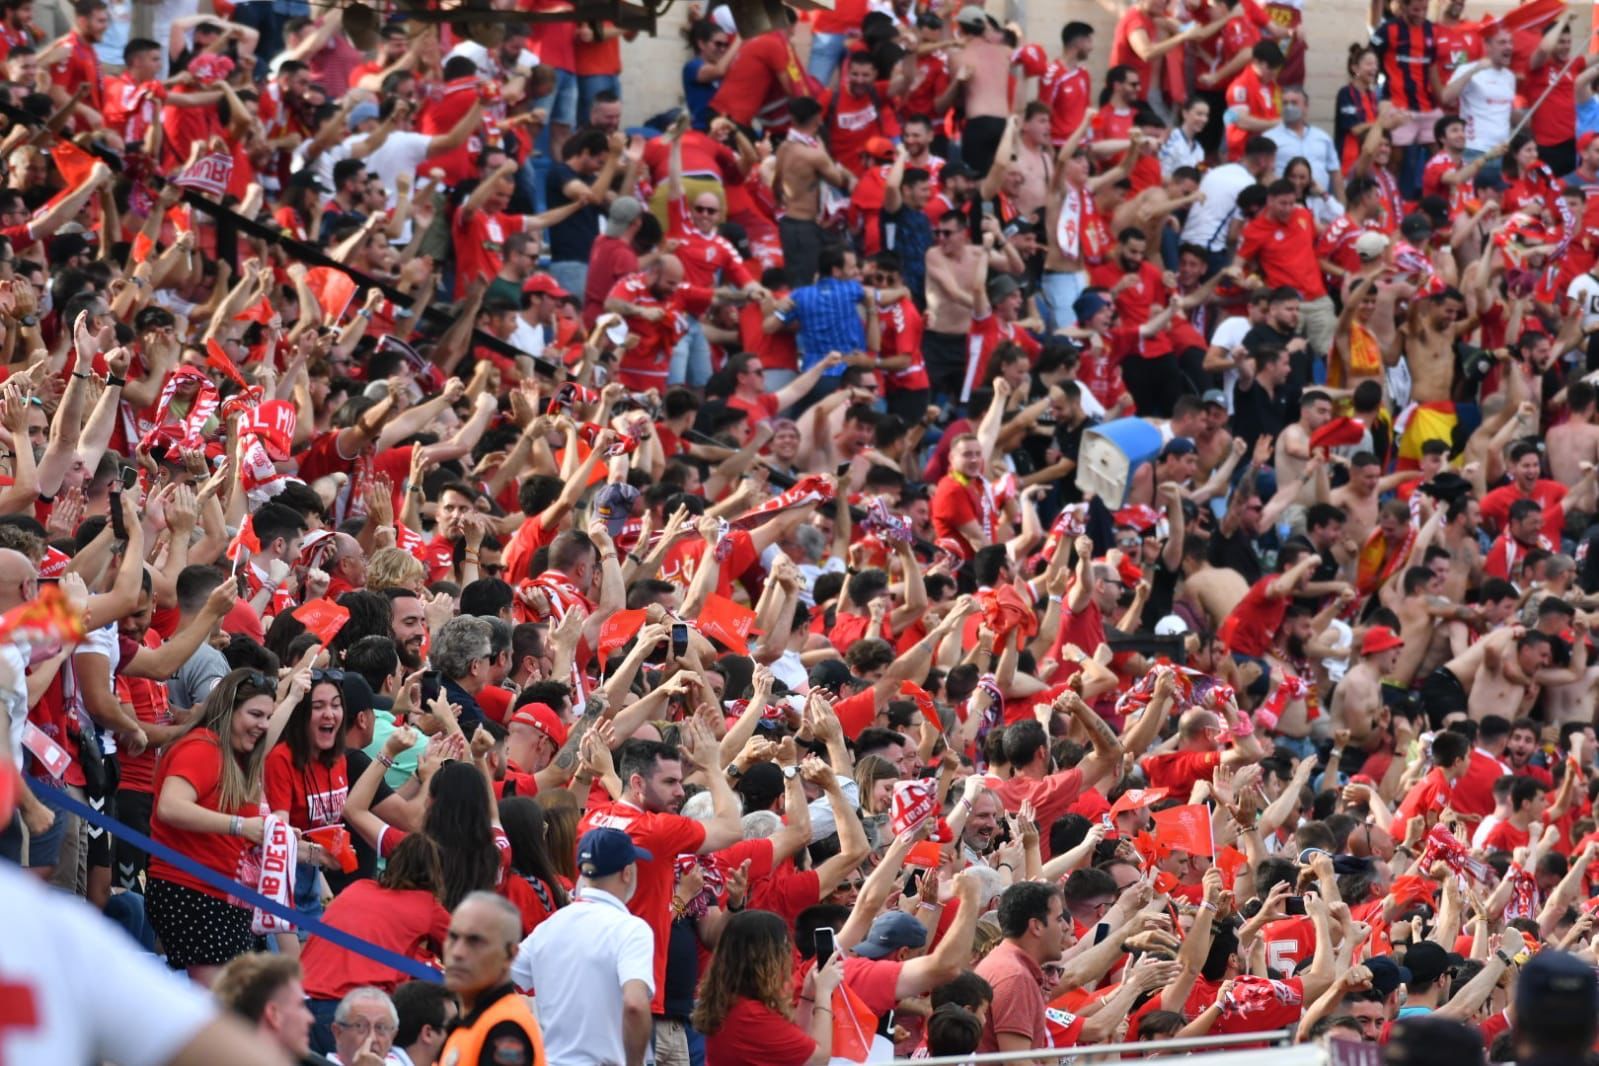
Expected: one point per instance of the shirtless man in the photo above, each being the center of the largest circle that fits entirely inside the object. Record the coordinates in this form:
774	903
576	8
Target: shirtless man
802	166
1497	601
1459	538
1500	674
1421	609
983	71
1215	441
1575	442
1214	590
957	283
1359	496
1573	700
1293	443
1357	700
1428	337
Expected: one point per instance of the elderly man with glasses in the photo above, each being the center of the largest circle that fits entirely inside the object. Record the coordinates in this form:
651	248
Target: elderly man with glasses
363	1028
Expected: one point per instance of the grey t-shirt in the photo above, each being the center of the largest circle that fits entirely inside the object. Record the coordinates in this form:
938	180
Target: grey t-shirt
196	677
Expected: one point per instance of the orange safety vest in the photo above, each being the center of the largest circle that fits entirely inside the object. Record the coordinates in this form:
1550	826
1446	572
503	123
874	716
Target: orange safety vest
465	1044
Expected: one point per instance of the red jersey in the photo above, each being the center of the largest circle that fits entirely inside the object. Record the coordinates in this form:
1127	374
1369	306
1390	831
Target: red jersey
131	107
1474	792
932	78
644	366
988	334
764	74
1258	99
1121	50
708	260
1457	44
480	244
900	333
1068	91
852	120
1337	242
312	796
665	837
1286	251
957	502
1254	622
1555	120
1137	301
440	116
80	67
1429	796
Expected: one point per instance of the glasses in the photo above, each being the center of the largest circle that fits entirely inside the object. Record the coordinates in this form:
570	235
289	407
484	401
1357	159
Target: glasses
368	1028
319	676
698	210
256	679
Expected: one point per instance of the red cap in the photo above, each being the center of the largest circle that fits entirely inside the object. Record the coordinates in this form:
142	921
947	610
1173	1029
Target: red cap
1585	140
541	716
54	564
1379	639
879	148
546	285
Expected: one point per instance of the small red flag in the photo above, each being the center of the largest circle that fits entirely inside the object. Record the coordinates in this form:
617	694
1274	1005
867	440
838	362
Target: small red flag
217	359
723	620
617	630
324	618
1186	827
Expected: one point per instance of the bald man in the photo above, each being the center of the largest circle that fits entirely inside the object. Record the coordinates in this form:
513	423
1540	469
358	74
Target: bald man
346	566
27	839
496	1027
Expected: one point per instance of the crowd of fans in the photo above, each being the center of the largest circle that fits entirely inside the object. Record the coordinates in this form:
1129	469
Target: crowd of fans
922	549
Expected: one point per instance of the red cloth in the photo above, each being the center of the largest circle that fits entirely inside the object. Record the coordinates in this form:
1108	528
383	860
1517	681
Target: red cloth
1253	624
197	759
1474	792
752	1032
312	796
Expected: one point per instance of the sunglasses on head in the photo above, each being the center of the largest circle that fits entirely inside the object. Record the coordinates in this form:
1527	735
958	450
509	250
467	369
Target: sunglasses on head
256	679
319	675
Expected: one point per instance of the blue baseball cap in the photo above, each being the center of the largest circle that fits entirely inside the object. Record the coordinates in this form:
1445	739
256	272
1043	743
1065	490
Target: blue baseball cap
891	931
603	852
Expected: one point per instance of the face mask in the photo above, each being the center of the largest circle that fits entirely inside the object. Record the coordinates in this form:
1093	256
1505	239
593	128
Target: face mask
1292	114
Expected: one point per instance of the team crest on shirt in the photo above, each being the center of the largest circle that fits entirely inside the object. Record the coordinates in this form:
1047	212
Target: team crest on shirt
1279	235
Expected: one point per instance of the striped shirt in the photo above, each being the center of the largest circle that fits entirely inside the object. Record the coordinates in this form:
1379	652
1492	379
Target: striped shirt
1408	55
829	319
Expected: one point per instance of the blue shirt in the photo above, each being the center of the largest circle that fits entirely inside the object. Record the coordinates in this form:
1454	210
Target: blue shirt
1588	116
829	319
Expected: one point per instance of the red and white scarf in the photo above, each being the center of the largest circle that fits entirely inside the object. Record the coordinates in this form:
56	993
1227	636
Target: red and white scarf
277	876
187	430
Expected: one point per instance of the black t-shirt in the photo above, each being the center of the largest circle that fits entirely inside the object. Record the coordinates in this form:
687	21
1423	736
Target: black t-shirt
1162	591
572	237
1257	413
1237	551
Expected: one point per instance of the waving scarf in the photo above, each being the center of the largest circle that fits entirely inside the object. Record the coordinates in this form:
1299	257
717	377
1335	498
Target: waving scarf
187	430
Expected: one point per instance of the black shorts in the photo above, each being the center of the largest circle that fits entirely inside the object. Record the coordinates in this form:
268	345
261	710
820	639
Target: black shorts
946	355
1442	694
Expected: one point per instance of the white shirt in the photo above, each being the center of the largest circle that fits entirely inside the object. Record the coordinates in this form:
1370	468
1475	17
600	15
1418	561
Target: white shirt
1229	335
14	693
576	962
52	945
403	152
1486	104
1208	221
1316	148
1583	292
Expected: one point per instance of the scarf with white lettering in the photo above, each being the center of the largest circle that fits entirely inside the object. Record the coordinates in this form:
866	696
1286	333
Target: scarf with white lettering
277	876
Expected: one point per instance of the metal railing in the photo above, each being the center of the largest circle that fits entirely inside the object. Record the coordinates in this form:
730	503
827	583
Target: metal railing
1144	1049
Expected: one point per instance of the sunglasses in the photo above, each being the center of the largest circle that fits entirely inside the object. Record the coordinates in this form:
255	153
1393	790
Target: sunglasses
256	679
706	210
492	569
318	676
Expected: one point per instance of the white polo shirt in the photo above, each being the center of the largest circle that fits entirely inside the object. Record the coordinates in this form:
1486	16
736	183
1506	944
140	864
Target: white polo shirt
576	963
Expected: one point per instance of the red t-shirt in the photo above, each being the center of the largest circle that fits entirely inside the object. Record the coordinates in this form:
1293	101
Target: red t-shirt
1121	49
1286	251
408	922
1137	301
677	568
197	759
1178	771
1549	494
1432	793
957	502
1555	119
644	366
313	796
708	260
1255	621
1050	796
1289	942
80	67
753	1032
1258	99
1474	795
664	836
480	244
764	74
1506	837
854	119
529	537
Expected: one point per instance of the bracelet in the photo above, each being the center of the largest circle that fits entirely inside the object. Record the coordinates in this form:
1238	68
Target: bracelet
635	557
84	377
607	557
1336	753
1207	905
1006	866
236	823
925	905
472	555
385	761
112	381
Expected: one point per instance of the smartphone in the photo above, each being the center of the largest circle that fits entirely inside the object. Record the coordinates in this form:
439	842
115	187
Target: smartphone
130	478
1294	905
430	686
119	528
824	946
680	639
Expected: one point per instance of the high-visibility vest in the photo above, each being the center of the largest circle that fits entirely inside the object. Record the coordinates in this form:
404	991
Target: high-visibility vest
465	1045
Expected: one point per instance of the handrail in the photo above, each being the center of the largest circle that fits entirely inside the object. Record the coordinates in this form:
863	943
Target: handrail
1143	1048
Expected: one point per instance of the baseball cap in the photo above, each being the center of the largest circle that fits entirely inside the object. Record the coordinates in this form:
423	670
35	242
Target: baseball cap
760	786
1177	446
1001	286
365	111
972	17
956	169
1554	991
545	285
1489	179
614	506
879	148
541	716
1171	626
833	674
1585	140
891	931
1379	639
1370	245
1089	304
306	179
1427	962
356	694
1416	226
1386	974
624	209
1214	396
603	852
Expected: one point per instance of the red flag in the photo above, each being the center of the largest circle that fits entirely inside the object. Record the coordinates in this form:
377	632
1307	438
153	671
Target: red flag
217	359
73	163
261	311
617	630
1338	431
274	422
245	539
334	291
924	699
47	617
853	1025
1186	827
1134	798
324	618
335	840
1229	860
730	623
924	853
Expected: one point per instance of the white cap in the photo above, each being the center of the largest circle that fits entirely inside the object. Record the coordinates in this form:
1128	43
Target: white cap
1171	626
1370	245
722	15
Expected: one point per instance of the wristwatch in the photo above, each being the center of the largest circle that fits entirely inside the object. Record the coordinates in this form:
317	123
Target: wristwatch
734	771
29	320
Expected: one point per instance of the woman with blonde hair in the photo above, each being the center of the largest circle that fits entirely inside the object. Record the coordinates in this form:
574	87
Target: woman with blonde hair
876	777
745	1005
392	568
209	806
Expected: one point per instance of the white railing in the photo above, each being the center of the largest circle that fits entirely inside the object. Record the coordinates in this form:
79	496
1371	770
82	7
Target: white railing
1300	1055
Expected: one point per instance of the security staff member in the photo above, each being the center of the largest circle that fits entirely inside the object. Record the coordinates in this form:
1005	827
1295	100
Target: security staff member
496	1027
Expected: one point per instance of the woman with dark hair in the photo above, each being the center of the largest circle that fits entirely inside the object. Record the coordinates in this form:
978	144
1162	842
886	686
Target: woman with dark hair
537	889
1534	188
461	818
714	49
746	998
1356	106
307	781
208	788
561	815
400	912
1323	208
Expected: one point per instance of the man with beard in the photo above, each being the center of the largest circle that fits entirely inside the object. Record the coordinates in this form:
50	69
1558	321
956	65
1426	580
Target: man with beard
983	809
657	306
1520	747
652	794
408	626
